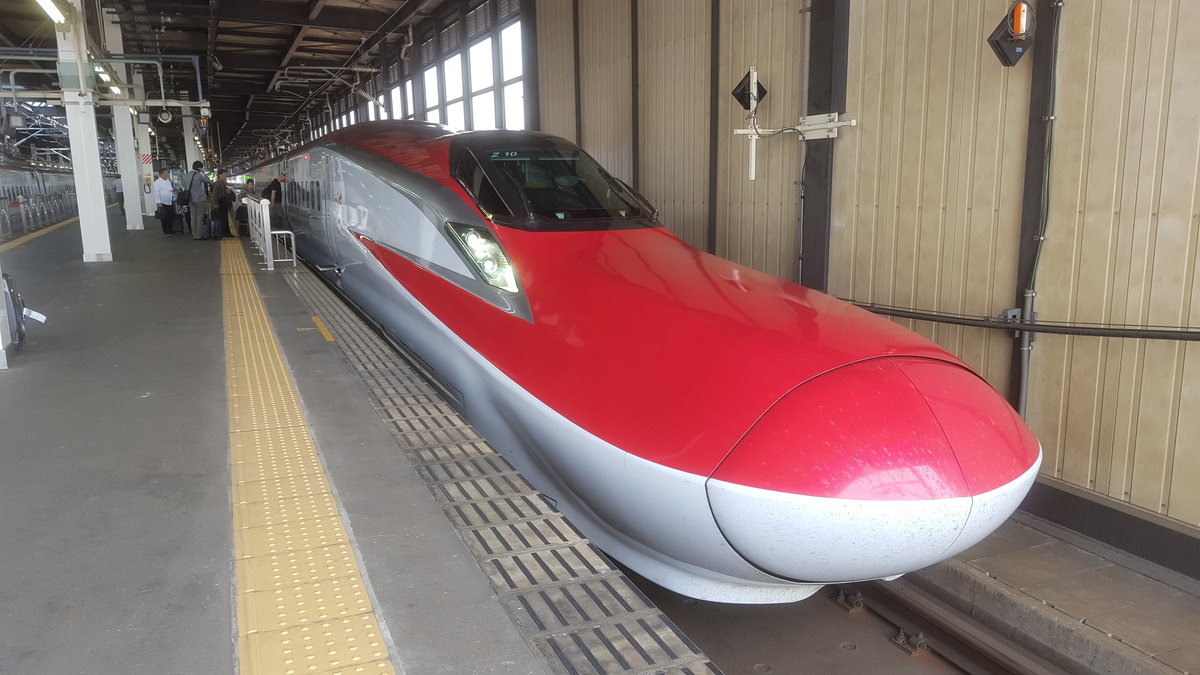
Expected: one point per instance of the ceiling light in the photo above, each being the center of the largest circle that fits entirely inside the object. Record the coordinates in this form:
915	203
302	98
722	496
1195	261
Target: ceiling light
115	90
104	76
52	9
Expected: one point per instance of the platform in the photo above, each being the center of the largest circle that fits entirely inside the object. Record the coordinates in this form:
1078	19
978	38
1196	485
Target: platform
137	542
146	486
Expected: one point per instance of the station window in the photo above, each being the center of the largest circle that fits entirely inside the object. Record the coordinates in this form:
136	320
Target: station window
473	71
433	110
399	105
512	75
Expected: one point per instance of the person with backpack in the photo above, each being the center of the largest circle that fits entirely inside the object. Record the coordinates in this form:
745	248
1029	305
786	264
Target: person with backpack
195	197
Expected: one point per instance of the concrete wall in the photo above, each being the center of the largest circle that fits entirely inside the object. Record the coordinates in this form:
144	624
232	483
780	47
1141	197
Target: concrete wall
756	222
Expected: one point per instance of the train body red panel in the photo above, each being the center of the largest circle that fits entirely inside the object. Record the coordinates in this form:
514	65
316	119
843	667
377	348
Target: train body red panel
725	433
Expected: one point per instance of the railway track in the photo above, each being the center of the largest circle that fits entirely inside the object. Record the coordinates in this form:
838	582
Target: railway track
874	627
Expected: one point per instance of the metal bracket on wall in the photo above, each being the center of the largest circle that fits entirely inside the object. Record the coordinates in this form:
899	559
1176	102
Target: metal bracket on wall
810	128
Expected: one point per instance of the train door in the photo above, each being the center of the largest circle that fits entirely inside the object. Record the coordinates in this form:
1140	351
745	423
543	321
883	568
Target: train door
338	214
317	246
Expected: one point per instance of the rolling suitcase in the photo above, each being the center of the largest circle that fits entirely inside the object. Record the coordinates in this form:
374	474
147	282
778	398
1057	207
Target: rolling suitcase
212	228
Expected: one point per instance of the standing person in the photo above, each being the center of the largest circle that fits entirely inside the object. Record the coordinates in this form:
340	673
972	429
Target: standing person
164	197
120	194
274	194
193	184
224	198
242	214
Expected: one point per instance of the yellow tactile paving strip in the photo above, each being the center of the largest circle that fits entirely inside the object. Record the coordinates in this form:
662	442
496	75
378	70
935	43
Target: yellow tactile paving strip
25	239
302	605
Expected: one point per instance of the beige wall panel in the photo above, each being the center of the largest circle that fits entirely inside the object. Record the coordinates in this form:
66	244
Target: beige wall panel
1117	415
673	71
927	188
556	68
606	81
757	221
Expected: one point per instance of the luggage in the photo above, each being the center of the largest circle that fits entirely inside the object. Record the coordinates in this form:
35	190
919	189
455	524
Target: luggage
213	228
179	226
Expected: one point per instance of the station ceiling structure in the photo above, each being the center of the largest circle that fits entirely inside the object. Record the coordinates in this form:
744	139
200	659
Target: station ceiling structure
264	65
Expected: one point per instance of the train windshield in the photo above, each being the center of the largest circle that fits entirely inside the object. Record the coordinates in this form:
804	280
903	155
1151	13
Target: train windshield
552	185
562	186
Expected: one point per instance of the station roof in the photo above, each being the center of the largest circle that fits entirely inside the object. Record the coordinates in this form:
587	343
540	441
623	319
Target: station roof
261	62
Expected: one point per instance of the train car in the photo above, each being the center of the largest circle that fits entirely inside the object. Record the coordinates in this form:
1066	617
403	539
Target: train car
729	435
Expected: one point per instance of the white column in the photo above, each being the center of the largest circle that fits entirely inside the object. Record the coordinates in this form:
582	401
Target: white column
128	165
80	103
190	149
128	162
145	149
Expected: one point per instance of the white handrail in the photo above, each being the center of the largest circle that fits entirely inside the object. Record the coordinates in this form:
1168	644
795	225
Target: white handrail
258	215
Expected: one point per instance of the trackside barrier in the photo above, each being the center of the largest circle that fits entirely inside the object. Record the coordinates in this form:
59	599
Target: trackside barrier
22	214
268	242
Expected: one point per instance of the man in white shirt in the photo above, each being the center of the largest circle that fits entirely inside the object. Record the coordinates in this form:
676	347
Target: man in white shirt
164	196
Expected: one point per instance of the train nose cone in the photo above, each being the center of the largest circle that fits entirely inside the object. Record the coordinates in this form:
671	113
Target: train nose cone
873	470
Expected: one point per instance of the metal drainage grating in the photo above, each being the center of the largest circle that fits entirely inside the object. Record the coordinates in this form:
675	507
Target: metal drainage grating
577	610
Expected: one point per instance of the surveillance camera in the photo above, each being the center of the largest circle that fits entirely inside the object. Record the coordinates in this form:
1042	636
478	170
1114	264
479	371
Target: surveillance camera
205	113
165	117
217	64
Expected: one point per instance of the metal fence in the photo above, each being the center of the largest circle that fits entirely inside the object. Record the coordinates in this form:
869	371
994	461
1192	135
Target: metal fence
270	243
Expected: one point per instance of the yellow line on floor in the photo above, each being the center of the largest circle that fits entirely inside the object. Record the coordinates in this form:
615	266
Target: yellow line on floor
323	328
301	603
25	239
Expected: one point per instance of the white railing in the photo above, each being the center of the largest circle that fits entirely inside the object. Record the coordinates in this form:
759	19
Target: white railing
268	242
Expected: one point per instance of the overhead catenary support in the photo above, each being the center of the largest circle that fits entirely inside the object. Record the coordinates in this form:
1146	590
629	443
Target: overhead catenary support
128	163
79	99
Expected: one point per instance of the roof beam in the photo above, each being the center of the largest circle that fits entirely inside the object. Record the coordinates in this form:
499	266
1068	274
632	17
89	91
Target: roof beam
263	63
271	13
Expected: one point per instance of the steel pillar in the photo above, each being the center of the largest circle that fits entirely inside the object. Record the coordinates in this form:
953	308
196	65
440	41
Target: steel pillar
79	99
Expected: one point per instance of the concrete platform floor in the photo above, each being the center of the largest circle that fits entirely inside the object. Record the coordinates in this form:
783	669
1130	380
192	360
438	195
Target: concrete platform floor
115	479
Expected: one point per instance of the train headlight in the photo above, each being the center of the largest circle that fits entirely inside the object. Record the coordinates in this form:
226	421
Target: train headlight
486	254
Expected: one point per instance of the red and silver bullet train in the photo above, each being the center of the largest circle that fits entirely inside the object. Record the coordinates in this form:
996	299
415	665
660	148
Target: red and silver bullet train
729	435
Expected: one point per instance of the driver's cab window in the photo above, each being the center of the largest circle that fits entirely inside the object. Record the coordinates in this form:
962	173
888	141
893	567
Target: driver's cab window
470	175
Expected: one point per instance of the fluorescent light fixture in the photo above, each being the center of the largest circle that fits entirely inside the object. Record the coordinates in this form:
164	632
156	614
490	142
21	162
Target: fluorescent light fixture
115	90
52	9
104	76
